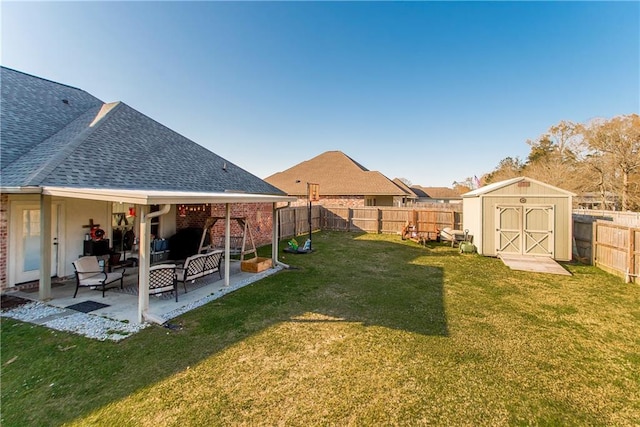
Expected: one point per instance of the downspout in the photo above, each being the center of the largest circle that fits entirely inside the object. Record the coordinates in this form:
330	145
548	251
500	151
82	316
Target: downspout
275	242
144	262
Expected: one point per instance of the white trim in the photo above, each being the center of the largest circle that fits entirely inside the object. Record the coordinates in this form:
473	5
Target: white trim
501	184
156	197
20	190
526	196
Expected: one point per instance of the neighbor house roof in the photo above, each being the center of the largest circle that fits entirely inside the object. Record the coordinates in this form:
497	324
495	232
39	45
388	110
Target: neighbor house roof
436	192
57	136
404	187
337	174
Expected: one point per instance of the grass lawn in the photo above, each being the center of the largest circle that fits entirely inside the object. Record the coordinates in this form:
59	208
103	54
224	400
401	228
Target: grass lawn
368	330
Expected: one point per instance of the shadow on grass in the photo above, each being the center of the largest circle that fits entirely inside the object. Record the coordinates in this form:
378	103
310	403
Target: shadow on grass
349	277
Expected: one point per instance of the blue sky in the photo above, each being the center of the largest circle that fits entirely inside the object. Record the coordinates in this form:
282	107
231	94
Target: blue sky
433	92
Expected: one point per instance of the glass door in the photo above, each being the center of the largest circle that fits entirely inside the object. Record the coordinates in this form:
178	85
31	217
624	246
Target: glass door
26	242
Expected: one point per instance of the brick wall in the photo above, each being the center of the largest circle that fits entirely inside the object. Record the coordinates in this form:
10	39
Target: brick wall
345	201
4	240
258	214
195	216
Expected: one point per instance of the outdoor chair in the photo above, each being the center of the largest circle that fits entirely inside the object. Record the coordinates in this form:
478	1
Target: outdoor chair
162	278
90	274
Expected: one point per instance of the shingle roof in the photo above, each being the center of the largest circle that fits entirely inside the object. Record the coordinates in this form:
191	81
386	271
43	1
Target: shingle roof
404	187
34	109
436	192
85	143
337	174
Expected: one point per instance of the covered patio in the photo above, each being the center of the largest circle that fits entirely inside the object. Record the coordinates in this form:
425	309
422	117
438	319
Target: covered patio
122	304
140	307
72	163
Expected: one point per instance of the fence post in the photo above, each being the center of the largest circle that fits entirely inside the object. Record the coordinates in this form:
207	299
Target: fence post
594	242
349	218
631	258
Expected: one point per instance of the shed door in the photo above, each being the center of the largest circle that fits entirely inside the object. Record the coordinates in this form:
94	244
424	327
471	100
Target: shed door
508	229
525	230
538	230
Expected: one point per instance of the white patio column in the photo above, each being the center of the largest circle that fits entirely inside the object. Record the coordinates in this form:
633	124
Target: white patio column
44	290
144	256
274	236
145	261
227	243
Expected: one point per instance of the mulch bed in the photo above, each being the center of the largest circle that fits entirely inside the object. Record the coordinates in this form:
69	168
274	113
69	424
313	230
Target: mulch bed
8	302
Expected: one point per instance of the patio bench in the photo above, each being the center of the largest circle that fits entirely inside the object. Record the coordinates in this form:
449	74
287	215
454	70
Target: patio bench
199	265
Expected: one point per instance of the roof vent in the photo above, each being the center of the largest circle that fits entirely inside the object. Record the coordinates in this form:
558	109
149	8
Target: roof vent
224	166
65	101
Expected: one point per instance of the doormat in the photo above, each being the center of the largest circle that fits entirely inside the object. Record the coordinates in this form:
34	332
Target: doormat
87	306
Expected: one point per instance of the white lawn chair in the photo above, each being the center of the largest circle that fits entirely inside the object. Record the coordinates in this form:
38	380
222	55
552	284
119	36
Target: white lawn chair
89	273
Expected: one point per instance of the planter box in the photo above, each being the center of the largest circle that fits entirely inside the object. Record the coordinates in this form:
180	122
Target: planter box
255	265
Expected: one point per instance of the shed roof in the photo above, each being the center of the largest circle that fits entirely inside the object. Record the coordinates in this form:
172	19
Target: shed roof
507	182
337	174
57	136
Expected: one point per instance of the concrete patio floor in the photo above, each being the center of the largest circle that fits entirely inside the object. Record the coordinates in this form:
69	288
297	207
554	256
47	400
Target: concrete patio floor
123	306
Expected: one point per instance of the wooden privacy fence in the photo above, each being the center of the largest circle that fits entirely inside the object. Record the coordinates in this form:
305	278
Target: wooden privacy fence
617	249
625	218
294	221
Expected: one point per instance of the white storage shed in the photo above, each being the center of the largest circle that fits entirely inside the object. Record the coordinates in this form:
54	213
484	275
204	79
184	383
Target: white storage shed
520	216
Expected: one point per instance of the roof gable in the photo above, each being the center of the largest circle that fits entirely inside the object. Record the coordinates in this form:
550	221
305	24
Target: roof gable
34	109
404	187
505	187
337	174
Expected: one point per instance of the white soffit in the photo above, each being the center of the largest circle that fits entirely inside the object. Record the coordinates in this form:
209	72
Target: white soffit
156	197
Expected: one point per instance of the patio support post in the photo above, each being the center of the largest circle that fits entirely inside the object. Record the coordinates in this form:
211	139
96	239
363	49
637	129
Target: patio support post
143	263
44	289
227	243
274	236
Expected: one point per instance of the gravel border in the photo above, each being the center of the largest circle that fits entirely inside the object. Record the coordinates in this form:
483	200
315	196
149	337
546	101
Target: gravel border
62	319
102	328
221	292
